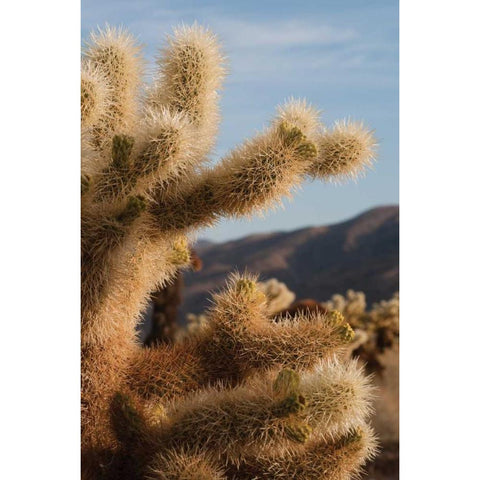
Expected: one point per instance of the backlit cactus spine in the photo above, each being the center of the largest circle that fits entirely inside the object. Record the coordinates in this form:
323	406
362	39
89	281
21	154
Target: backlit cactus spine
145	187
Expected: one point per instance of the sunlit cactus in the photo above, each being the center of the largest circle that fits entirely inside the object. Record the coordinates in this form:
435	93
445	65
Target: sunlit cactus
244	395
333	459
185	465
345	151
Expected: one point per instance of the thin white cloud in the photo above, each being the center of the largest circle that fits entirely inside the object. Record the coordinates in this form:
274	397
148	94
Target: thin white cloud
272	47
261	50
279	34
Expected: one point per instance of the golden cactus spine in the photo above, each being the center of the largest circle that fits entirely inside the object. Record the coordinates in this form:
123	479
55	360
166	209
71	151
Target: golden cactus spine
146	186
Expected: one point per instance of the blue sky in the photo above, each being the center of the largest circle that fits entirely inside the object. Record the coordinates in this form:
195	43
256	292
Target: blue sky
342	55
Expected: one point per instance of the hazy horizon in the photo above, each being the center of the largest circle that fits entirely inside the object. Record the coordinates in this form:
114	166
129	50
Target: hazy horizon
340	55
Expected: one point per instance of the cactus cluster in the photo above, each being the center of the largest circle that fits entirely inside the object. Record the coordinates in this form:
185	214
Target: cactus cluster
376	329
277	294
244	397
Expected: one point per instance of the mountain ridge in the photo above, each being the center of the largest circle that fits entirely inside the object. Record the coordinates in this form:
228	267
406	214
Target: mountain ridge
315	262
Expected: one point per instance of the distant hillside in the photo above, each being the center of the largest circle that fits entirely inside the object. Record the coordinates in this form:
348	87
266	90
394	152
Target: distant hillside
316	262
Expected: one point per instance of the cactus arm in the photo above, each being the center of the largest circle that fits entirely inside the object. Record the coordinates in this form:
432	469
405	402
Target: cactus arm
116	53
191	69
238	340
334	459
249	179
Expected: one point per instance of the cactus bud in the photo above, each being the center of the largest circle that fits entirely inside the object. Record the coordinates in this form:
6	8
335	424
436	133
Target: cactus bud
294	137
286	382
353	436
135	206
246	287
335	317
347	332
121	149
298	432
180	252
293	403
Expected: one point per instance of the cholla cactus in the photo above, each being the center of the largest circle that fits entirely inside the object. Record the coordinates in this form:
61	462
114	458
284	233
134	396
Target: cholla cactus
277	298
219	404
277	294
352	306
375	329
